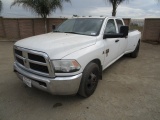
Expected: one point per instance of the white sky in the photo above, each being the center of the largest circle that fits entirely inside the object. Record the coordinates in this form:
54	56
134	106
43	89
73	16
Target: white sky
131	9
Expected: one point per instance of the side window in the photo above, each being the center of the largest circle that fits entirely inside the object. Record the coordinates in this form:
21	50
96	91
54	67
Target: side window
110	27
119	24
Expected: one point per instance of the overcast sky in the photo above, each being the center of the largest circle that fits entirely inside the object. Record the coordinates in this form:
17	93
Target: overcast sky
133	9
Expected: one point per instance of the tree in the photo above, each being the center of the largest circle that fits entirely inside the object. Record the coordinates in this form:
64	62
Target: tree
42	8
0	6
115	4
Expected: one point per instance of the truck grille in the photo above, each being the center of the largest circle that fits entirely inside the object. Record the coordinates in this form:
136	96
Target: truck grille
33	61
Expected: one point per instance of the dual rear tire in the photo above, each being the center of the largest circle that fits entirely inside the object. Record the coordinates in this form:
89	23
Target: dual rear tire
134	54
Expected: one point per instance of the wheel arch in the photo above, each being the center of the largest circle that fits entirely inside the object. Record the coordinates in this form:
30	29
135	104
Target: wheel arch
98	62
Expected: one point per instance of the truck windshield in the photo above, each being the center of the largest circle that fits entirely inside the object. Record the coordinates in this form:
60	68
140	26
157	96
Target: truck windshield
82	26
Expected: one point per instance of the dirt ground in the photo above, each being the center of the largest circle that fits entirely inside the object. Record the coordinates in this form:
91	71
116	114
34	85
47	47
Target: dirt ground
130	90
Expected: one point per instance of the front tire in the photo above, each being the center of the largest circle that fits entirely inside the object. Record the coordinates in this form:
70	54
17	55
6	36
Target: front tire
89	80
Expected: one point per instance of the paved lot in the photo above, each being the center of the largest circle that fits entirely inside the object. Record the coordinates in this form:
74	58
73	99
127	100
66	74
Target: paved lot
130	90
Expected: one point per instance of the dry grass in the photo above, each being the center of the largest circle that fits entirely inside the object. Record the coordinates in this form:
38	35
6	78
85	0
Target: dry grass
135	27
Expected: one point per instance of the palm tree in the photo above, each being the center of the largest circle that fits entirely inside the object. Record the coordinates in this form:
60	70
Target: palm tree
115	4
0	6
42	8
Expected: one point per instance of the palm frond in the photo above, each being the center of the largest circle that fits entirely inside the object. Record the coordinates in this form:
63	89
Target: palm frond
115	4
41	7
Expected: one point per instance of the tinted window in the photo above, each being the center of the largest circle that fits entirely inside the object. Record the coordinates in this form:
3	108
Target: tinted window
110	27
119	24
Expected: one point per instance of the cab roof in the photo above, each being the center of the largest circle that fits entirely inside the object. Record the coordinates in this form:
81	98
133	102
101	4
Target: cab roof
104	17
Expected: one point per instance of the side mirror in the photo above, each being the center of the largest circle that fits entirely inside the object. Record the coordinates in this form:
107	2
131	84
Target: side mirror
53	27
124	30
123	33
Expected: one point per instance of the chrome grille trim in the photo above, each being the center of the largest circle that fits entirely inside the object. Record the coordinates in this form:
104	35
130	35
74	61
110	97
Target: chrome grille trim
27	61
36	62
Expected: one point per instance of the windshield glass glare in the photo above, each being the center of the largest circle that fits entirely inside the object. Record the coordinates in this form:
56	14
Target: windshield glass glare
83	26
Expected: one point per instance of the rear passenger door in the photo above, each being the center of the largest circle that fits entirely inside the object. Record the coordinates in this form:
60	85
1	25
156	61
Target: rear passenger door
122	41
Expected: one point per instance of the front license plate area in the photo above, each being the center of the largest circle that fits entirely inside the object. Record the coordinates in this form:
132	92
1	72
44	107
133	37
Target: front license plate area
27	81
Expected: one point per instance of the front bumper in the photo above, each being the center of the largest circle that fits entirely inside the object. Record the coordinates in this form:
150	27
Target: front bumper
56	86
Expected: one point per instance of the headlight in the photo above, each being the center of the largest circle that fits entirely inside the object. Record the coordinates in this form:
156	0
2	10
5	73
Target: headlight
66	66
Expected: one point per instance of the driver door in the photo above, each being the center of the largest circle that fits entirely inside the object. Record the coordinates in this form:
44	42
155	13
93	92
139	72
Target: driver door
111	44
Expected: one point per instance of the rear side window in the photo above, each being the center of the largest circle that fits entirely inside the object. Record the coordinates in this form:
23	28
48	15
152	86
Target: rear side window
119	24
110	27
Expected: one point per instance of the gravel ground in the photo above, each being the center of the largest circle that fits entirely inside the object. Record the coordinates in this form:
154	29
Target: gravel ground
130	90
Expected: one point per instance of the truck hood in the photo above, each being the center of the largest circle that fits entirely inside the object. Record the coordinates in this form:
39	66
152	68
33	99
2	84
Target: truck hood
57	45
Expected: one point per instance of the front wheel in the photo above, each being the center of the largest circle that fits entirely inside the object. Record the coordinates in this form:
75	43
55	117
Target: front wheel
89	80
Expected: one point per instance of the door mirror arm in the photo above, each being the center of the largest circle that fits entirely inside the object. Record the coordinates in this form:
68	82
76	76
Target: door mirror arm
115	35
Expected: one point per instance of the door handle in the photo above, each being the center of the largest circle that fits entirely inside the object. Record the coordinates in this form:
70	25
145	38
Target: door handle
116	41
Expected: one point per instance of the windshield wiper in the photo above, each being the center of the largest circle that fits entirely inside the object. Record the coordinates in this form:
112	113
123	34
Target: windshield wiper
65	32
72	32
56	31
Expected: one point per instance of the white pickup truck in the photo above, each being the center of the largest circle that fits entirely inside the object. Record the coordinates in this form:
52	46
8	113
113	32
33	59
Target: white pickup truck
71	59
